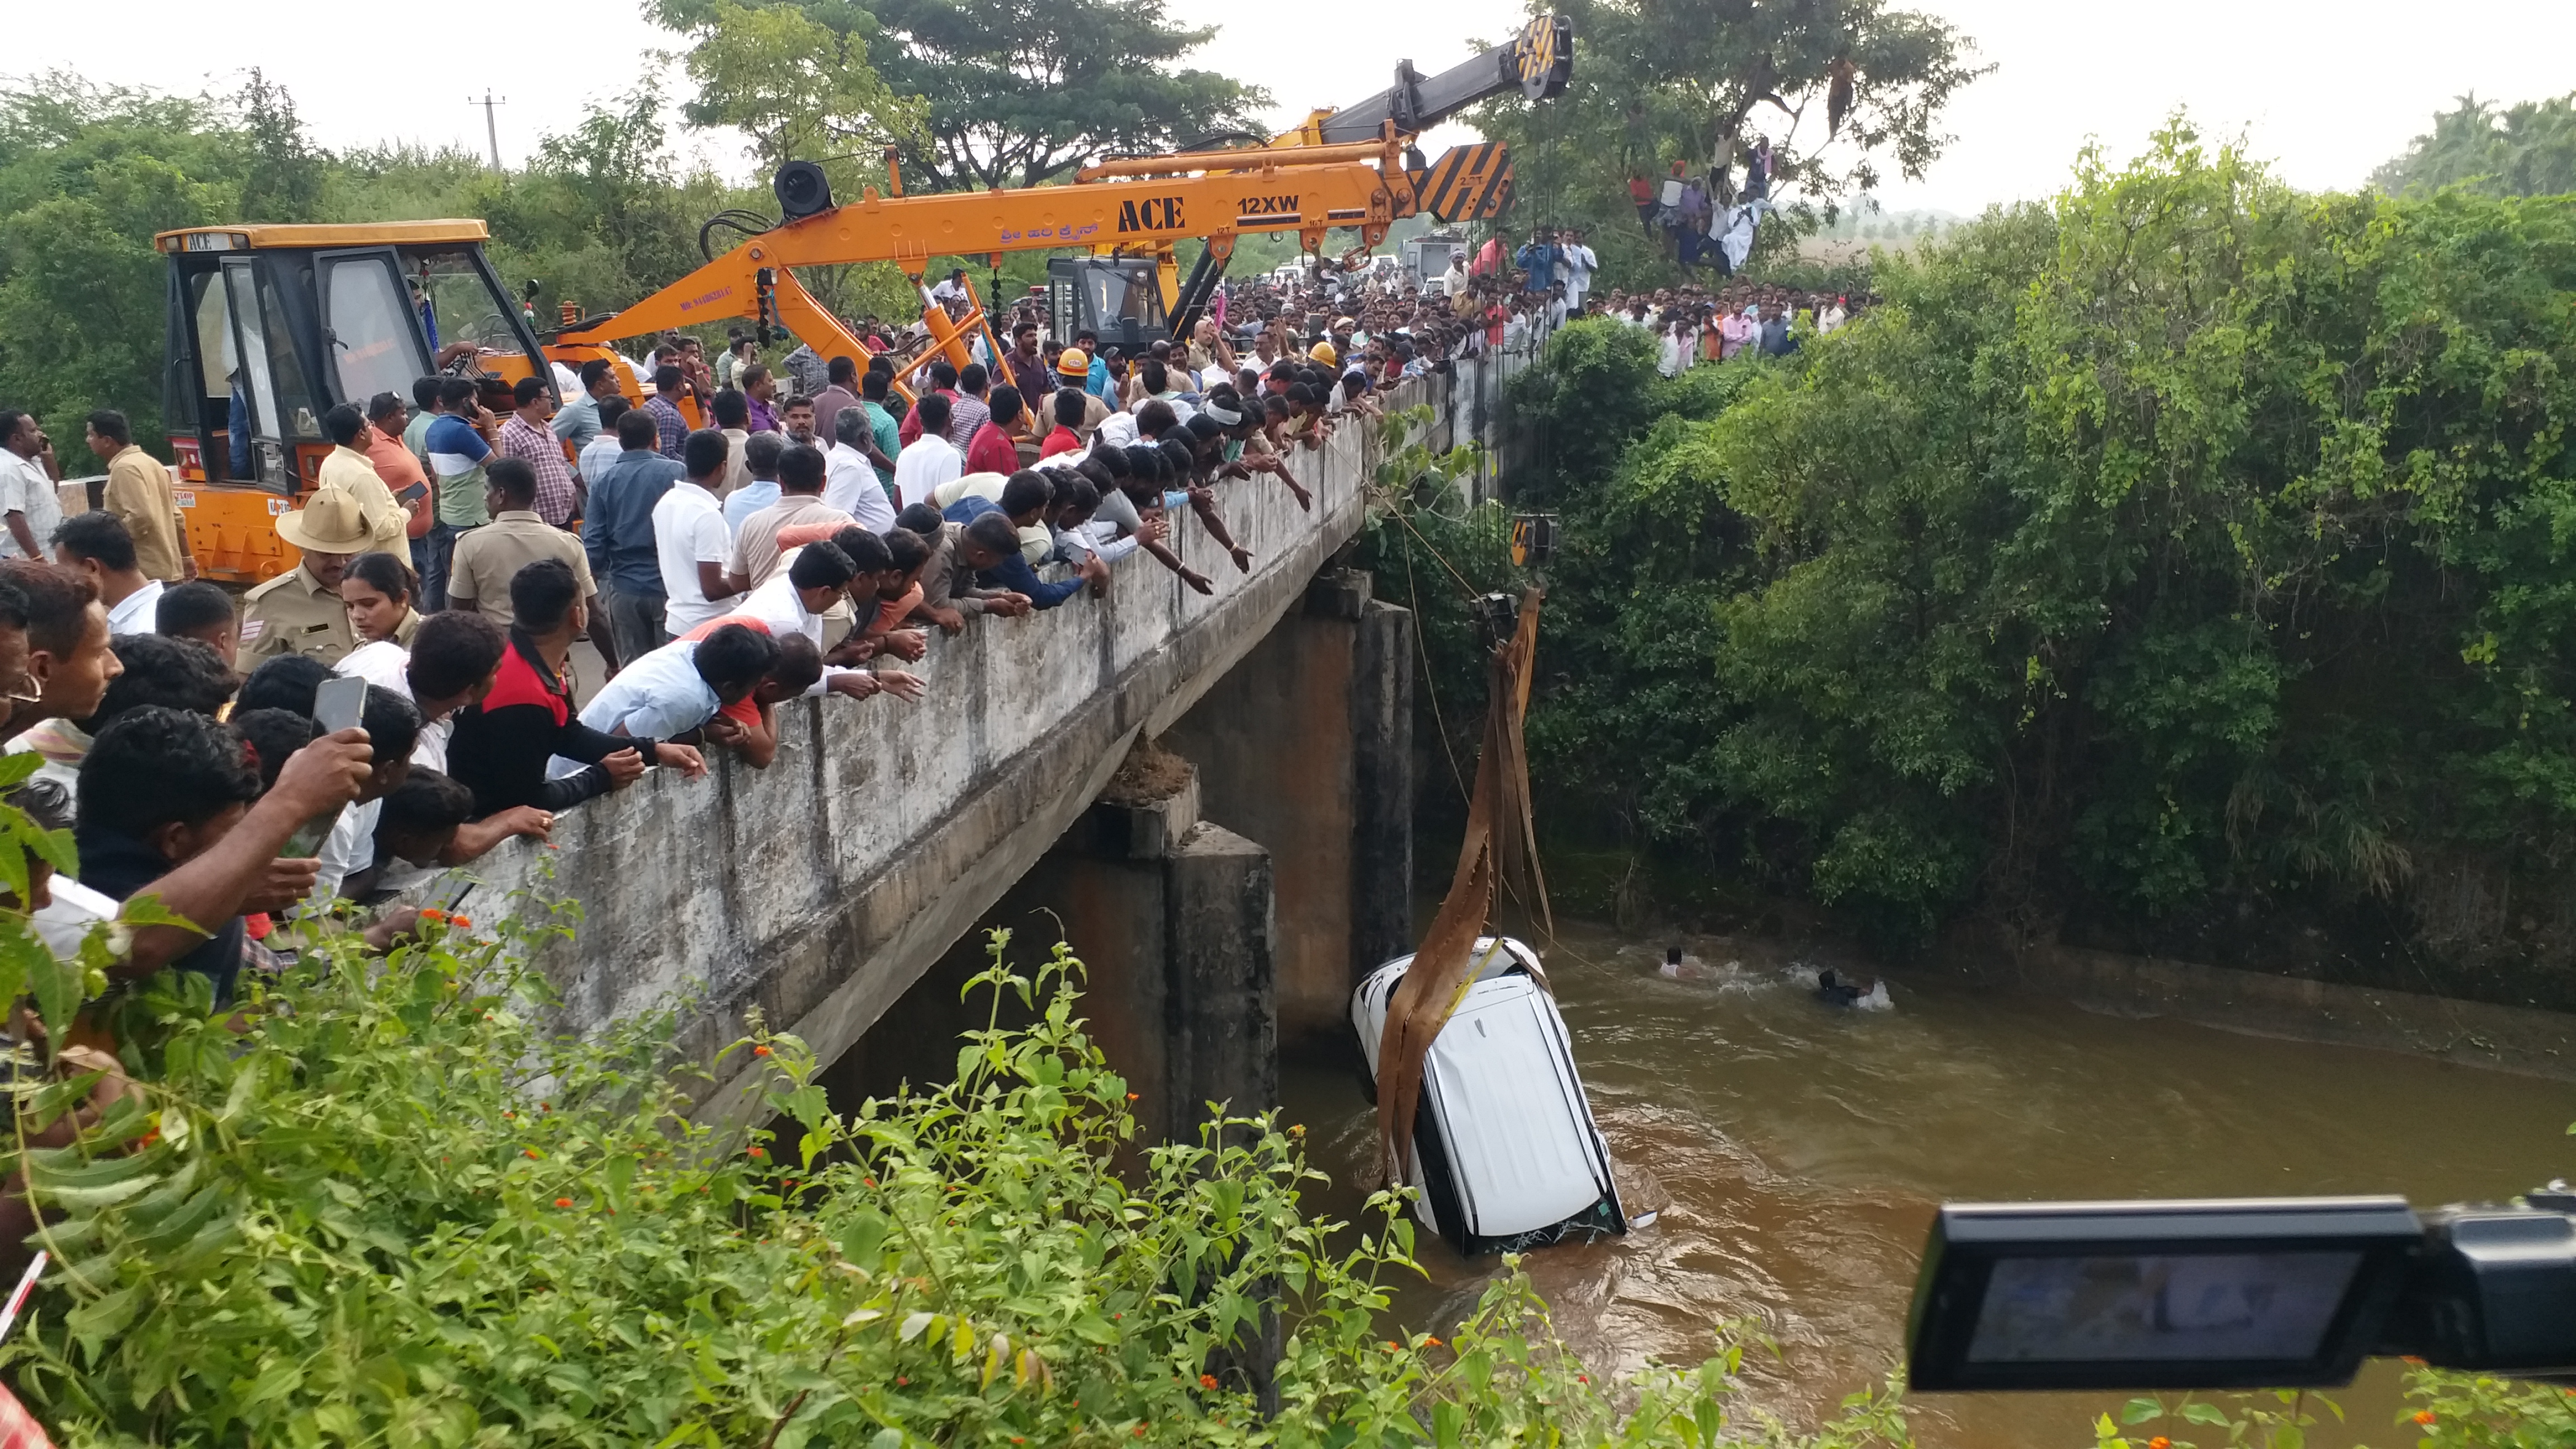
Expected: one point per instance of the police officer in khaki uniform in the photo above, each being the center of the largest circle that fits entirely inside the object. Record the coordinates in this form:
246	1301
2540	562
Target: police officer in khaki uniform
299	611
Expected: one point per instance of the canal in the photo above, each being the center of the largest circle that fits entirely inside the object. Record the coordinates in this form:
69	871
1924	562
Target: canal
1803	1148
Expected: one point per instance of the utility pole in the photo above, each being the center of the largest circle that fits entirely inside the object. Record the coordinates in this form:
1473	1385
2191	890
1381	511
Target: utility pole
491	127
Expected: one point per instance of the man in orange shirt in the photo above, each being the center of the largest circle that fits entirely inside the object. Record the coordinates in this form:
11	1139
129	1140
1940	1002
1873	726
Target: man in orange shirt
397	465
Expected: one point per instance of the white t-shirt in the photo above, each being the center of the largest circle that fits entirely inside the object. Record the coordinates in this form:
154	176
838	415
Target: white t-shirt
24	488
65	923
777	605
929	461
688	530
387	665
133	614
850	485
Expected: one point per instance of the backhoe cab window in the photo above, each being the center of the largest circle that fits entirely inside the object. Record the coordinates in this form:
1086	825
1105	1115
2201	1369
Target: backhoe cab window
461	305
374	346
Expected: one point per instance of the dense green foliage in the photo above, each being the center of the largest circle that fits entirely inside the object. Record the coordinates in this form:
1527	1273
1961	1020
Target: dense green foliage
2181	564
397	1210
2527	149
88	173
1847	92
1012	95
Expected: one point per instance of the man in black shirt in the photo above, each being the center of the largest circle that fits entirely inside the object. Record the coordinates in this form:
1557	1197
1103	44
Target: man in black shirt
527	718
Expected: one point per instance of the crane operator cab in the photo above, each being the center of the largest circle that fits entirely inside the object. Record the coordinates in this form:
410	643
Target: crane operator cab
270	327
1121	298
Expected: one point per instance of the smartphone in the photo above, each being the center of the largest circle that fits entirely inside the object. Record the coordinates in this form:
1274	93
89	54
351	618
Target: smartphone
337	706
339	703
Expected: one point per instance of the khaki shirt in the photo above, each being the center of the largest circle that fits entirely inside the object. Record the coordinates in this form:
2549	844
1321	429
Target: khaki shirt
140	493
487	558
294	614
350	469
755	546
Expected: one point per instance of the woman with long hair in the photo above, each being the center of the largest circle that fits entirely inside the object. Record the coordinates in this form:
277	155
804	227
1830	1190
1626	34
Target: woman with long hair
379	592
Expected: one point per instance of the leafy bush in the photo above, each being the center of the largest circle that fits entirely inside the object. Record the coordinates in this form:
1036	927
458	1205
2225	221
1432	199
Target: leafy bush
2184	555
396	1209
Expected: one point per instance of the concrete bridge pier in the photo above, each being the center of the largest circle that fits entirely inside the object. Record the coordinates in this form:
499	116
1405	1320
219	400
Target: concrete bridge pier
1174	921
1227	887
1307	747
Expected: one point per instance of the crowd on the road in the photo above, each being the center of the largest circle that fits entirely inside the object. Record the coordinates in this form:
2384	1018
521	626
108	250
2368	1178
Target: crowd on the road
803	541
742	536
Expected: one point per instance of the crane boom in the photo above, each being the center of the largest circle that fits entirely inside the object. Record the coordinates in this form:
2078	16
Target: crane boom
1537	62
1343	168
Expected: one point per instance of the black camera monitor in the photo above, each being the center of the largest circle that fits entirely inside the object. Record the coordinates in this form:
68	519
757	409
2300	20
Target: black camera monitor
2245	1293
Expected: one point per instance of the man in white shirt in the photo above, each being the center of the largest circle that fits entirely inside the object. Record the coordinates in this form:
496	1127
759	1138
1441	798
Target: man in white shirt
849	482
690	540
1575	265
27	501
1453	282
818	576
1832	318
678	687
928	460
97	546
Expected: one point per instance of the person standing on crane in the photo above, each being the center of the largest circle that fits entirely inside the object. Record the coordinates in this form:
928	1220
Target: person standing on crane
952	293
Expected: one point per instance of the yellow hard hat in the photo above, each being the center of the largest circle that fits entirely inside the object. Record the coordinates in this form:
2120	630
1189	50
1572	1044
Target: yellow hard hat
1074	363
1323	352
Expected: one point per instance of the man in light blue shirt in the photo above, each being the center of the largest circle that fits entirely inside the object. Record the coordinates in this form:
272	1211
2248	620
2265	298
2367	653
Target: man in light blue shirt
759	454
577	421
678	687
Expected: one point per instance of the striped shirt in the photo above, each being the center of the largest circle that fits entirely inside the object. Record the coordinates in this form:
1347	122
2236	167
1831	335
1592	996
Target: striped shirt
536	445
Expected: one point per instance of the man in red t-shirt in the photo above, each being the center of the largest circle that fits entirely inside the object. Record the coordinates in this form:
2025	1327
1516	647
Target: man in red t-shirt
1068	418
991	449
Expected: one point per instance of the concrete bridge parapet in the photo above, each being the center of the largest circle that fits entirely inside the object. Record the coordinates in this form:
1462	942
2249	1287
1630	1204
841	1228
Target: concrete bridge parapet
818	891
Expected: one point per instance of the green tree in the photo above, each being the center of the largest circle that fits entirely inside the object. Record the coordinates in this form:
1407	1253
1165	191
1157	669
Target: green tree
2178	567
801	88
1846	92
2527	149
1017	95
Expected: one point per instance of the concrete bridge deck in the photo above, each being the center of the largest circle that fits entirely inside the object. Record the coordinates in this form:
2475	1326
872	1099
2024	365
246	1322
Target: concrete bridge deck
818	891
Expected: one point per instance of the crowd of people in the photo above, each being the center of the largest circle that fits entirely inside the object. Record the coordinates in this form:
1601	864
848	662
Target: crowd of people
449	558
744	536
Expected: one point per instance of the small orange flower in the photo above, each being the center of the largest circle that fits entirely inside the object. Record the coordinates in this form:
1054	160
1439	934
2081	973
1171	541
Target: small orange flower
1132	1097
532	1152
867	1182
2423	1416
432	913
545	1106
760	1051
901	1382
1583	1378
461	923
2160	1442
760	1152
1140	1431
1207	1381
563	1202
510	1115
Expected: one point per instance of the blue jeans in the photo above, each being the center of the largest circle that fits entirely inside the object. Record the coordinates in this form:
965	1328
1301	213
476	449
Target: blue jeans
434	552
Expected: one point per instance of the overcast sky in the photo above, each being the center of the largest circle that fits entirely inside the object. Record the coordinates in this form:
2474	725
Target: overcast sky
2325	88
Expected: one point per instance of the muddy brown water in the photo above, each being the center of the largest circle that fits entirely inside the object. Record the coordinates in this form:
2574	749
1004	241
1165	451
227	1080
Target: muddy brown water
1804	1148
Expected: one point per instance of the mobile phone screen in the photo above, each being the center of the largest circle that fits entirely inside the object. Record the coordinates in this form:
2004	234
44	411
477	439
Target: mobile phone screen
338	704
